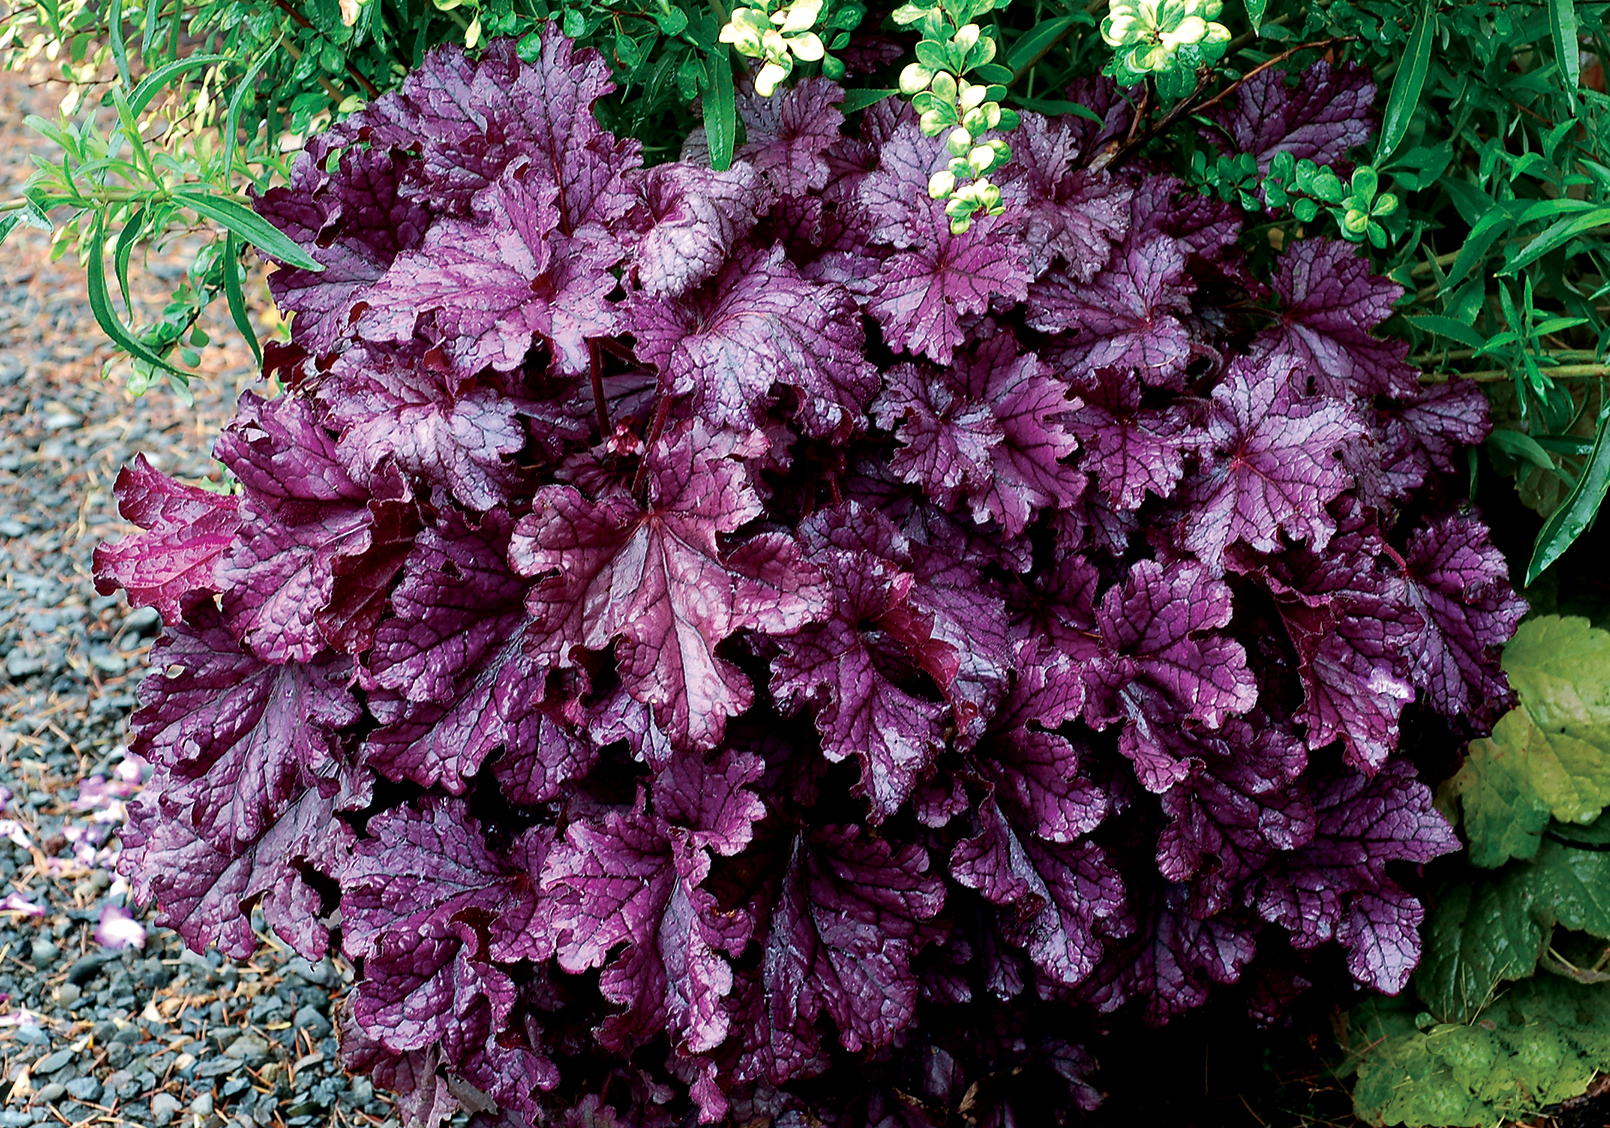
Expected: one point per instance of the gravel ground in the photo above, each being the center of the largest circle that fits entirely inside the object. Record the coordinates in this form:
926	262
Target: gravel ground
146	1034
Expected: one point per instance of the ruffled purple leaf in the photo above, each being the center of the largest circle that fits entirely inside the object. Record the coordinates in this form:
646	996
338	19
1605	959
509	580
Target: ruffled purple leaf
988	429
1459	582
472	120
186	530
238	736
1240	805
206	882
635	880
421	869
1161	664
435	988
1174	960
1320	116
757	324
1336	887
1353	627
788	135
839	667
408	408
1052	897
491	285
838	930
1328	303
693	217
449	676
1133	450
1129	316
290	585
656	580
1039	776
353	222
1073	215
1274	465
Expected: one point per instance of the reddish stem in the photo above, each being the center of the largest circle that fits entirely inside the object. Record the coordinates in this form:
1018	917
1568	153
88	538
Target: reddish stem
595	365
655	430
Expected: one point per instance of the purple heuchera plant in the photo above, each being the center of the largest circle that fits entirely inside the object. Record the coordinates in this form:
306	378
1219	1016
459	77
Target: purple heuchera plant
701	627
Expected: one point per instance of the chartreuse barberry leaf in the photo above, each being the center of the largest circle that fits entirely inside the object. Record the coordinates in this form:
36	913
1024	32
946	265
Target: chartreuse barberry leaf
1551	754
1541	1043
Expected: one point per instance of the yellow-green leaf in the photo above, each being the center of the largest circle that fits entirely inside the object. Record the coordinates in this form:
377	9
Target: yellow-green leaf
1551	754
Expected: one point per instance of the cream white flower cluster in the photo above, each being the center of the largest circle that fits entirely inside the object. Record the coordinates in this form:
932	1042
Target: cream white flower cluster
1148	34
779	33
966	112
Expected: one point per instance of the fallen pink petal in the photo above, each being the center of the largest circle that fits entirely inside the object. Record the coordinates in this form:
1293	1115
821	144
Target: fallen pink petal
119	930
17	903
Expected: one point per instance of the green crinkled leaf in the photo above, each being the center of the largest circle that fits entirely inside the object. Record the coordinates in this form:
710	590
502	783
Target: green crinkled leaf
1542	1042
1572	885
1549	756
1476	937
1479	934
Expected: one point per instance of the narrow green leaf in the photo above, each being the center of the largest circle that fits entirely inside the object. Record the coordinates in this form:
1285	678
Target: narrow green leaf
1562	23
1255	10
1032	47
861	99
232	119
1407	83
150	33
1448	327
63	139
1518	444
131	128
1566	444
101	306
720	111
1579	508
1556	324
121	253
236	299
1548	209
120	50
1559	233
248	225
153	83
1051	107
28	215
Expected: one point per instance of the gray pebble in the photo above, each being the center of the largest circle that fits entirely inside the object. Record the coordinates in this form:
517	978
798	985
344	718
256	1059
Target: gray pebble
248	1047
15	1118
163	1107
202	1105
68	994
19	665
50	1063
322	973
142	621
50	1094
84	1089
312	1021
43	951
33	1035
86	968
